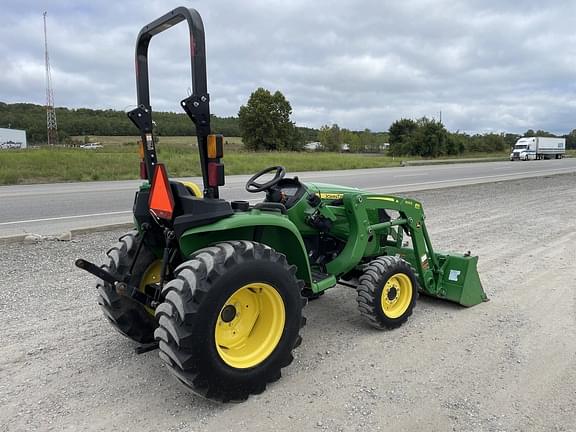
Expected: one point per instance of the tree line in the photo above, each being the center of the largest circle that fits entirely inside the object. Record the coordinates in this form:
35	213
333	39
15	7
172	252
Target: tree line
264	124
84	121
429	138
334	138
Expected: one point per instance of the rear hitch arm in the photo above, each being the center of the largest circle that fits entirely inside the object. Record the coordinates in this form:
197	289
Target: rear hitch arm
124	290
120	287
99	272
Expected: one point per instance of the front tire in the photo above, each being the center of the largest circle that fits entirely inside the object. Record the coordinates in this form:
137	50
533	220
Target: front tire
387	292
230	320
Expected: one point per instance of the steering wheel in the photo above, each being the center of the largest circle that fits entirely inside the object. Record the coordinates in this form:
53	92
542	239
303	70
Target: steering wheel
253	186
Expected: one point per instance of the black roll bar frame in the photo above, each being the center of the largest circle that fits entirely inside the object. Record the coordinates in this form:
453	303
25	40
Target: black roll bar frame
197	105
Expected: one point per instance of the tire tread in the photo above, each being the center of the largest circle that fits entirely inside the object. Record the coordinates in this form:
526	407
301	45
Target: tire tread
370	284
177	317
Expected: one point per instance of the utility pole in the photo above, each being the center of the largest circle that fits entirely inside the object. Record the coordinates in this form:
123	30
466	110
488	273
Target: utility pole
51	125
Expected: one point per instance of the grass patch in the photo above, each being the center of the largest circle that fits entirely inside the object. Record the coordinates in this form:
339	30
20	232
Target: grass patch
46	165
59	164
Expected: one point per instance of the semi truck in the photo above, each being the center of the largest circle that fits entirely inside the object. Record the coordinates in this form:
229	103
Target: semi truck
532	148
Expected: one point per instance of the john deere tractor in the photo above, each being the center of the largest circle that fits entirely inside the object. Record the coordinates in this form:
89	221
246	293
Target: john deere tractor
219	286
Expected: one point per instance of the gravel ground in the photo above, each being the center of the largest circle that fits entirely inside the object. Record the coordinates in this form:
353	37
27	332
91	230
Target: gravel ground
505	365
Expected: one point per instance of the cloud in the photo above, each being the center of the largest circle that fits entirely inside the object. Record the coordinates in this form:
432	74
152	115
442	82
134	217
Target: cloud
487	65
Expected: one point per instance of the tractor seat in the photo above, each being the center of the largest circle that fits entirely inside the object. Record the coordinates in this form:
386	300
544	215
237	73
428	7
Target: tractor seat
191	211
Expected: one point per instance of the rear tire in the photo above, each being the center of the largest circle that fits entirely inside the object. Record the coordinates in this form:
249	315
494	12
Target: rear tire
230	320
387	292
128	317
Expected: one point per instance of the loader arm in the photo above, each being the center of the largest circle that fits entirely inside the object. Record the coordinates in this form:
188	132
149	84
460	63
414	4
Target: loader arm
448	276
422	256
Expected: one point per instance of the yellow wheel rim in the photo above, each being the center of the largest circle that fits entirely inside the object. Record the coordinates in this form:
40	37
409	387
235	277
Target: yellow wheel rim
151	276
250	325
396	295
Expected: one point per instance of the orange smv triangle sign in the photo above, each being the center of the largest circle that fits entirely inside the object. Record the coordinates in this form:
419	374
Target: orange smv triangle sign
161	201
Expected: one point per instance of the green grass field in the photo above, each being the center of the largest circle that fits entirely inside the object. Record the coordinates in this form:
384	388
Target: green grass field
68	164
119	160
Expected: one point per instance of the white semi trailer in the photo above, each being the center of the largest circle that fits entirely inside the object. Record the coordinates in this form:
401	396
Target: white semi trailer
531	148
12	138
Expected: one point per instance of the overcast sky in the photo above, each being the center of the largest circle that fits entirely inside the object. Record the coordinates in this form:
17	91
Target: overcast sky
488	65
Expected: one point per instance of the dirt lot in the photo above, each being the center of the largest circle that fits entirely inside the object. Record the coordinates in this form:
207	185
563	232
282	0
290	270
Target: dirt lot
505	365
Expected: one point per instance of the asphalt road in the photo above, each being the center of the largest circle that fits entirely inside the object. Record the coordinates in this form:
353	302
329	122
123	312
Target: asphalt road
55	208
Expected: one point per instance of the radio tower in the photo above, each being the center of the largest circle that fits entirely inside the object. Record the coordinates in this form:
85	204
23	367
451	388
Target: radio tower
51	124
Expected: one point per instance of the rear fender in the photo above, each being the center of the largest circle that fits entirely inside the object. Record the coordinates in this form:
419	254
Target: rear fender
272	229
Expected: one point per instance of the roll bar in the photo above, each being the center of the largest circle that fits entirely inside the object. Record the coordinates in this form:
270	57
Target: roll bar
197	105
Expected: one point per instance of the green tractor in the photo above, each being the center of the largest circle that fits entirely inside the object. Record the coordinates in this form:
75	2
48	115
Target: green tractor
219	286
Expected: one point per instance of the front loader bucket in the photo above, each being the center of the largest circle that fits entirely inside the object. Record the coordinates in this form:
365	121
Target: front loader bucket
459	281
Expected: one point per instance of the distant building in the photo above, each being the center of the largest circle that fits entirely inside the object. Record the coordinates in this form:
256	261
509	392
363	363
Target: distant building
12	138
